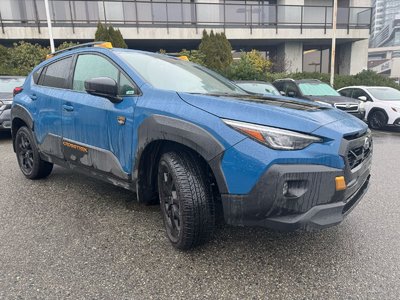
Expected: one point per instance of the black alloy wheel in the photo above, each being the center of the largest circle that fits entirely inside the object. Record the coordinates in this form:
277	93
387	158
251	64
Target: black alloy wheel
186	199
30	163
377	120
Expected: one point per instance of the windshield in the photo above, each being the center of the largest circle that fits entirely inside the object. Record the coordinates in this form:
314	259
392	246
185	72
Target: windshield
317	89
385	94
7	85
258	88
168	73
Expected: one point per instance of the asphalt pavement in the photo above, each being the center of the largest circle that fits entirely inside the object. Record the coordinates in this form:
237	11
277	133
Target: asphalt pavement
72	237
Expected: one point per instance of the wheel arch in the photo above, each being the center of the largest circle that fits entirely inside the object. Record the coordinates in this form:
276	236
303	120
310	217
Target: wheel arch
158	134
374	109
20	117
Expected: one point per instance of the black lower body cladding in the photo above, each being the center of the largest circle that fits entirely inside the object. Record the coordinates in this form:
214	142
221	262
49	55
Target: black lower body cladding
290	197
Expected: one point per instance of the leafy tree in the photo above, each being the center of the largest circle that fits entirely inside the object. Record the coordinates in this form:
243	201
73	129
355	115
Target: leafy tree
25	56
251	66
110	35
217	51
65	45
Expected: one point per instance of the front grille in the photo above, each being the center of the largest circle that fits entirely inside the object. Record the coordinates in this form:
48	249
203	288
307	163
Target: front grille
356	155
347	107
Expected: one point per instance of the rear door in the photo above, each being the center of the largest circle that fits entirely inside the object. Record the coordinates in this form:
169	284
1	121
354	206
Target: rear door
97	134
48	91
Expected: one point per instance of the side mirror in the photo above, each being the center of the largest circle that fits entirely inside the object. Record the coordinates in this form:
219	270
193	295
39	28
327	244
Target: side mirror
291	94
282	93
363	98
103	87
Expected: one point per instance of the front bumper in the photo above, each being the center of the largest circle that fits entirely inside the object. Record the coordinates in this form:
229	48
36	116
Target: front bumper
5	119
290	197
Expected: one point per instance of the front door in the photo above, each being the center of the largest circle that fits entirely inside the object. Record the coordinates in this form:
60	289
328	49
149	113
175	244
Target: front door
97	134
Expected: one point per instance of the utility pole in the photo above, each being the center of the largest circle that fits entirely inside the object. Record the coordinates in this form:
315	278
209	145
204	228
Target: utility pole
333	50
46	5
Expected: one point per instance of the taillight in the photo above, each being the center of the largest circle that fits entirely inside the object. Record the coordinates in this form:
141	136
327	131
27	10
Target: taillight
17	90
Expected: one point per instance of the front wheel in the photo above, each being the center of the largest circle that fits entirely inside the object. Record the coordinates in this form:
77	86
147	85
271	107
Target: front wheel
186	200
377	120
30	163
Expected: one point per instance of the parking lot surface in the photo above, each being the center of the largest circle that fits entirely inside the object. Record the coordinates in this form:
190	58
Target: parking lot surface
70	236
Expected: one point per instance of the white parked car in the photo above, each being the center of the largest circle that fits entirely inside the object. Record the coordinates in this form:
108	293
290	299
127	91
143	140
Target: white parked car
382	104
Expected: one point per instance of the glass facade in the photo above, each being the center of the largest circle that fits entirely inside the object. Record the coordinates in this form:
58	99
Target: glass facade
253	13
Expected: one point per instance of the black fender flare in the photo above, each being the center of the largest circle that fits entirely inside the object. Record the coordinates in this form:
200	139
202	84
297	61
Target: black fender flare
164	128
20	112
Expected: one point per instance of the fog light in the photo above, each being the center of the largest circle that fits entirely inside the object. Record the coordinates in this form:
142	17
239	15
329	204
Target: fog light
340	183
285	188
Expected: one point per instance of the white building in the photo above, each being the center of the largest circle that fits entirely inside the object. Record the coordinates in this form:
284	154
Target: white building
296	33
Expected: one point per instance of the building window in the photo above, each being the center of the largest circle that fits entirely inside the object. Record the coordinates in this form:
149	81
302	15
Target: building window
316	59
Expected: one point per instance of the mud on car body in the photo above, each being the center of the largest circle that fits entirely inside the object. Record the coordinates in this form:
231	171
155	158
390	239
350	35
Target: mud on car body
181	135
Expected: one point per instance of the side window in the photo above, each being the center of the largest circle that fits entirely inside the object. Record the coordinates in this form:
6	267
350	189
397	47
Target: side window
125	86
56	74
279	86
358	93
36	75
346	92
90	66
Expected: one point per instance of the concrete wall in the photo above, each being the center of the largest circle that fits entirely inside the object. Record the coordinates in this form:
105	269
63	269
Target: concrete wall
352	58
290	56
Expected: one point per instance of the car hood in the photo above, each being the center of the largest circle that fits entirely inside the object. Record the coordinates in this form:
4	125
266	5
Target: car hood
333	99
288	113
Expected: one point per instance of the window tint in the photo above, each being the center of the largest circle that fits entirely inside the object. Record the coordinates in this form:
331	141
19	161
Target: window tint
36	75
91	66
346	92
56	74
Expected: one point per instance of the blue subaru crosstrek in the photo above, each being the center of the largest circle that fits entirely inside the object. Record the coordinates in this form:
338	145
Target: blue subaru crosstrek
178	134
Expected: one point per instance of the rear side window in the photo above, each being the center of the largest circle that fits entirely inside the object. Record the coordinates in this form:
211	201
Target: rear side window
36	75
56	74
90	66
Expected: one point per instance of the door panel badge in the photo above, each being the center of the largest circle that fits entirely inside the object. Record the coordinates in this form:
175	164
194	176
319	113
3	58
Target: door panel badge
121	120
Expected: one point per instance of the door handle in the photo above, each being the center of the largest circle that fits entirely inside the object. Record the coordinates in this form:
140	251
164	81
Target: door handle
68	107
33	97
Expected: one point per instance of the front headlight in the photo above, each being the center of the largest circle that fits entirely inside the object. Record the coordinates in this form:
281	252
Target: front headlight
275	138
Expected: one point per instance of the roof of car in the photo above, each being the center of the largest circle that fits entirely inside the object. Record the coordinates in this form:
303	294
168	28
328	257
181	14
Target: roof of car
363	87
299	80
253	81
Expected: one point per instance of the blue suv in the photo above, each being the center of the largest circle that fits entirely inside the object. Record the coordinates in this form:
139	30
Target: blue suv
178	134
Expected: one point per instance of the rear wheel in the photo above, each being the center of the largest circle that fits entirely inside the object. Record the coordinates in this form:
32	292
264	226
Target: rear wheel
377	120
186	200
30	163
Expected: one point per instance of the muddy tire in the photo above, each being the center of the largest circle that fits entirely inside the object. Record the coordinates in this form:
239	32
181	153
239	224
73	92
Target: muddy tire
186	200
30	163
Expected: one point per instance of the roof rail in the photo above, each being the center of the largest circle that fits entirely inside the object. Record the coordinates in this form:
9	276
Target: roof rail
291	79
91	44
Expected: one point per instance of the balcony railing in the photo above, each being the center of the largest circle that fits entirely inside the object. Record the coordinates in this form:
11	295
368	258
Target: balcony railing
181	13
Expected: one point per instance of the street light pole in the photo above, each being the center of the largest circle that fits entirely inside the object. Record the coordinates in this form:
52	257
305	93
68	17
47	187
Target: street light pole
46	5
333	52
